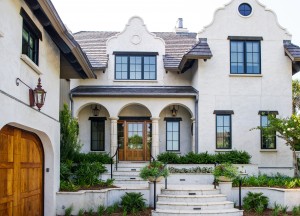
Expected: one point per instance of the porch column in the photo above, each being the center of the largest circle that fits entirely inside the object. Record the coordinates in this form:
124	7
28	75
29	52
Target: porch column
155	137
193	134
113	135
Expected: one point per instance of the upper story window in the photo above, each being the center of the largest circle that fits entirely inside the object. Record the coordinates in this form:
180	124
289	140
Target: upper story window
30	44
30	38
245	57
268	141
135	66
245	9
223	129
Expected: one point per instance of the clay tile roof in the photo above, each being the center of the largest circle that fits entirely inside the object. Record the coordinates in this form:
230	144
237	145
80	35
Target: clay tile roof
177	46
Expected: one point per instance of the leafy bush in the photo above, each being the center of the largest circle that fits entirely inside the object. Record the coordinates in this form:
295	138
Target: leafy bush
191	170
87	174
132	202
269	181
253	200
112	209
65	170
91	157
81	212
100	210
68	186
69	144
69	210
168	157
227	170
233	157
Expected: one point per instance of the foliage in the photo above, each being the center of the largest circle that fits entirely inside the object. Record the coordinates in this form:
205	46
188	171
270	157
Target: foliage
269	181
296	210
253	200
69	210
90	212
107	183
68	186
66	170
87	174
296	95
154	169
227	170
81	212
69	143
112	209
287	129
100	210
132	202
234	157
191	170
91	157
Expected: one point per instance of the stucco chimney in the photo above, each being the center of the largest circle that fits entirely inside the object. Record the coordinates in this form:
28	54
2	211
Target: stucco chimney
179	27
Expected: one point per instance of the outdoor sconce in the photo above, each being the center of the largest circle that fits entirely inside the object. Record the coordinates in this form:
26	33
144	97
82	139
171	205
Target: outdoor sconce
174	109
36	96
96	110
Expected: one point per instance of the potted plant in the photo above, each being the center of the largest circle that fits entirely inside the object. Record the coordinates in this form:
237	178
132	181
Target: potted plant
155	171
225	172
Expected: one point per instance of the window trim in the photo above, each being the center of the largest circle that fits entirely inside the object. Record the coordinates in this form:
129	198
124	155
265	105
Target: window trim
266	113
216	122
173	120
136	54
102	120
245	40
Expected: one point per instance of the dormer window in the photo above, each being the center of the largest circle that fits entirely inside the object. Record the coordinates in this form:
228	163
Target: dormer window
135	66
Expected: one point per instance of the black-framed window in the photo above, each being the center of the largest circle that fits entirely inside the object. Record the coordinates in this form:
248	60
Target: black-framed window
173	135
135	67
223	131
245	57
30	43
97	134
268	141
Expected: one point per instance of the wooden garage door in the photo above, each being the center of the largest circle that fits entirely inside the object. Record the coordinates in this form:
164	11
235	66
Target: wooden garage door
21	173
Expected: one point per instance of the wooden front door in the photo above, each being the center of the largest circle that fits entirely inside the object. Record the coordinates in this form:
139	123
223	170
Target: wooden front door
21	173
134	139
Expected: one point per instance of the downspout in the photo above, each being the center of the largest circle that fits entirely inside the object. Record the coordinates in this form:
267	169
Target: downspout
72	103
196	123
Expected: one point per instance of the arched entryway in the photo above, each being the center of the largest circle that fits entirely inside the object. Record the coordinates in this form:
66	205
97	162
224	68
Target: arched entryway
134	133
21	173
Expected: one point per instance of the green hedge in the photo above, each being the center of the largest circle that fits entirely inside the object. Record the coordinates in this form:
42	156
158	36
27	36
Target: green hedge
92	157
234	157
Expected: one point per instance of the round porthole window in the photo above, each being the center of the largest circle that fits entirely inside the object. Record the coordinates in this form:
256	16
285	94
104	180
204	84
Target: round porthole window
245	9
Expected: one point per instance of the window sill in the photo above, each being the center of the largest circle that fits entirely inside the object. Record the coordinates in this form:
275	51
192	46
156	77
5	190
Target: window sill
31	64
268	150
223	150
148	81
245	75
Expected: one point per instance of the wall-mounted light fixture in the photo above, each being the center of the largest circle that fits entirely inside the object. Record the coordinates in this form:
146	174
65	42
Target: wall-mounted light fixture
174	109
36	96
96	110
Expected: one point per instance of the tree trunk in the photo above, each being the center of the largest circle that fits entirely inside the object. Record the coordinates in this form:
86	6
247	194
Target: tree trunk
295	161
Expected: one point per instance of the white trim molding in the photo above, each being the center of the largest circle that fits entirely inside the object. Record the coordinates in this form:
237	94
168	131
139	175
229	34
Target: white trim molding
31	64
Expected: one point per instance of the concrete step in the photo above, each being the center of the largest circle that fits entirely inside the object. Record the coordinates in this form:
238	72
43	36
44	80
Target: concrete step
194	205
190	191
192	198
132	182
225	212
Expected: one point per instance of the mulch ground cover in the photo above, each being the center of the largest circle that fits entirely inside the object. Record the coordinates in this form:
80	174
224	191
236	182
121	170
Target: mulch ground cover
267	212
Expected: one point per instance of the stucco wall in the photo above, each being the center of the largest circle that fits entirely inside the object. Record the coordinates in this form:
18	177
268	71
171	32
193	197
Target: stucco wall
245	95
14	99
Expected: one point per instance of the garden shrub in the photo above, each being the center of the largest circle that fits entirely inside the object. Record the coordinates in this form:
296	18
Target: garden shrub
233	157
87	174
254	200
68	186
65	170
269	181
91	157
133	202
191	170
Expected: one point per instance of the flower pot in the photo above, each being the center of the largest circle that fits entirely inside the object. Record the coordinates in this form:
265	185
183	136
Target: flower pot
224	179
152	179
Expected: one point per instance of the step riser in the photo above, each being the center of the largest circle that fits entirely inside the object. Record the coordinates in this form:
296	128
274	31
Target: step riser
197	213
191	207
128	169
184	192
191	199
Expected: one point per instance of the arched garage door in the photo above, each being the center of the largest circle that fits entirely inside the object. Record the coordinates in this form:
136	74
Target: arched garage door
21	173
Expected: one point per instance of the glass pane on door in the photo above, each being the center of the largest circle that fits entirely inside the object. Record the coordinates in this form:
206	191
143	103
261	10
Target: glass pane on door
135	136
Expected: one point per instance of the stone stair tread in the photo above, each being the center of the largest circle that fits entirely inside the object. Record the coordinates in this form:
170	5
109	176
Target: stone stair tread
190	187
194	203
175	211
192	196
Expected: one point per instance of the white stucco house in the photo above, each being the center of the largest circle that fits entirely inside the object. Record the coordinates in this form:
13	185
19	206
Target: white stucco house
33	44
182	91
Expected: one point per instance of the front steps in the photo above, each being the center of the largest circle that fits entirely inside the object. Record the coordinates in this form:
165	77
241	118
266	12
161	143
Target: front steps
194	200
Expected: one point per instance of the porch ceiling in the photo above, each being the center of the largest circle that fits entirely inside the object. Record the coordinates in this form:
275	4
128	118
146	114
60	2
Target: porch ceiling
134	91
